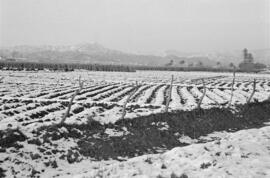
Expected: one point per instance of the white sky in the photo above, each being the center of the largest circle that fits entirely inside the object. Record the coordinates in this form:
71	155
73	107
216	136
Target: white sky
140	26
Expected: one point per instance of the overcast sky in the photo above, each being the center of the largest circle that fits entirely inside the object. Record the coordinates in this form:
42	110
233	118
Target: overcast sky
140	26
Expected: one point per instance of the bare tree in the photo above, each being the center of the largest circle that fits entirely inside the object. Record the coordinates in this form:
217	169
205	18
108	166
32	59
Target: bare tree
253	92
204	93
232	65
169	96
127	100
182	62
190	64
200	64
170	63
71	100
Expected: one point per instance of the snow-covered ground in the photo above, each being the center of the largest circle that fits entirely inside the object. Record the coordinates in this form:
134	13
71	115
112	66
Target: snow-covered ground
33	99
243	154
48	91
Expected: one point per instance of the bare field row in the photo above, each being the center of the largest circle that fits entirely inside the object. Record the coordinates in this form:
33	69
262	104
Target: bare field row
33	99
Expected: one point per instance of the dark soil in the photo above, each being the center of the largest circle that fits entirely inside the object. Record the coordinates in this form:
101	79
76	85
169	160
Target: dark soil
153	94
2	172
148	134
9	138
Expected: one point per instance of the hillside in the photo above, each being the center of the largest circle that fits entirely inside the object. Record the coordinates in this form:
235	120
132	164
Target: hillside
83	53
96	53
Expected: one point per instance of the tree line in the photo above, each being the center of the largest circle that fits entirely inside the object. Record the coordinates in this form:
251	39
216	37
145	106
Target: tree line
32	66
171	68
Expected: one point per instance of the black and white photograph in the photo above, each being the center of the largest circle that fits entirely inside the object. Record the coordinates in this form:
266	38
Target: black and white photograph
134	88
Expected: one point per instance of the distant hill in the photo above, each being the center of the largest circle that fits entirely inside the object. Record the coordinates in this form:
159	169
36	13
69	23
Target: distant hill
83	53
96	53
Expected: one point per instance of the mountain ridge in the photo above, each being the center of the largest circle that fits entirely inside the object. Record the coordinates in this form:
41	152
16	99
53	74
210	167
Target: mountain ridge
96	53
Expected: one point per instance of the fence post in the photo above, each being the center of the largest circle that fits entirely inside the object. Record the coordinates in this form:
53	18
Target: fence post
204	93
127	100
169	96
71	100
253	92
232	89
1	79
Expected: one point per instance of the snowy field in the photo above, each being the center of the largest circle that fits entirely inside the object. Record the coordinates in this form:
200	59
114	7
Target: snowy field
229	156
33	99
30	100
